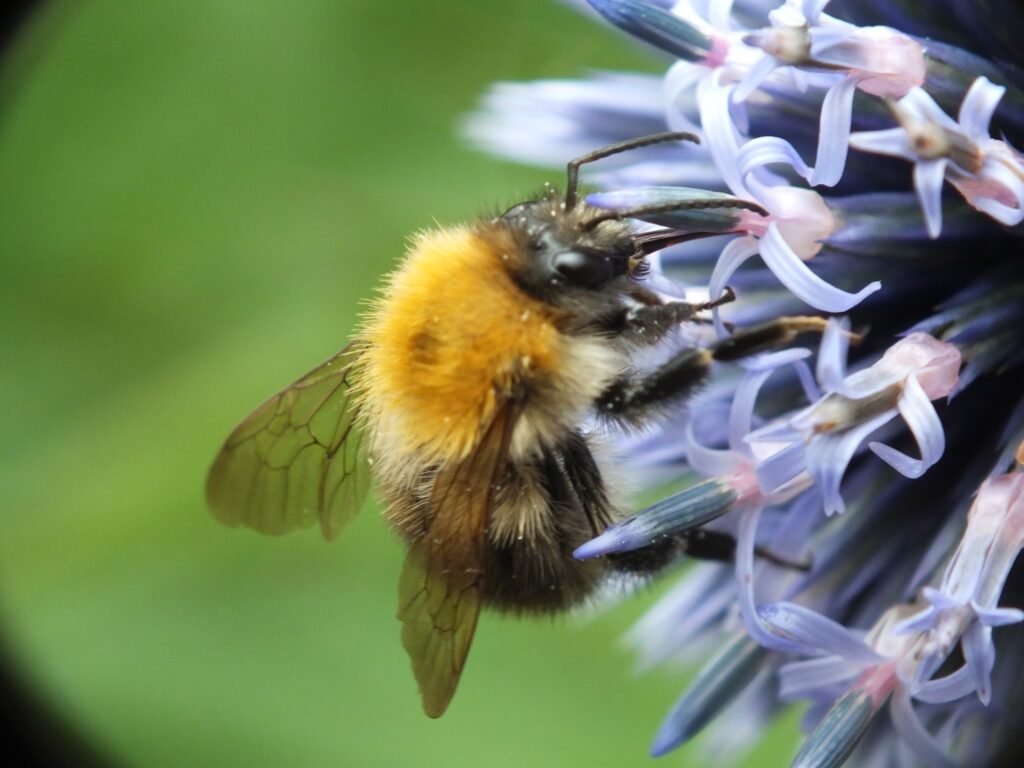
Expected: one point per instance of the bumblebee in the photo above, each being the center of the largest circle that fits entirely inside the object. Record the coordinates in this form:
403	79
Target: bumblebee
466	392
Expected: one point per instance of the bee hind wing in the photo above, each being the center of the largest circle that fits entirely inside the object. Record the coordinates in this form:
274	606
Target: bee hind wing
442	583
439	613
298	459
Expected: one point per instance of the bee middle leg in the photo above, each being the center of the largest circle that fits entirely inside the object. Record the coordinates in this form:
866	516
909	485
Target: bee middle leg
633	397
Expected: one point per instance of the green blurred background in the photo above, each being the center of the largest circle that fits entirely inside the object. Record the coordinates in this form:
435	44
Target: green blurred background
194	199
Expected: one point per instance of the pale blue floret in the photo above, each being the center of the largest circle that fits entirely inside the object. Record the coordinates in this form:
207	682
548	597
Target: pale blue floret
944	149
932	278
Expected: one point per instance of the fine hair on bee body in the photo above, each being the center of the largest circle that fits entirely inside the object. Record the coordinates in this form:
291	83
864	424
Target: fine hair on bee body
467	388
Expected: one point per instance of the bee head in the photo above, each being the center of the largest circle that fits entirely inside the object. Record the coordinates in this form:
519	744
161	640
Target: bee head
560	251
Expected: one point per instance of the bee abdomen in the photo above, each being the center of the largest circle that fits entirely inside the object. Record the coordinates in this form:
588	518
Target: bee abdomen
547	507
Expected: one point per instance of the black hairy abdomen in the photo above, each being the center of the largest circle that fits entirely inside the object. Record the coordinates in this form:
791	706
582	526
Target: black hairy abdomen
538	574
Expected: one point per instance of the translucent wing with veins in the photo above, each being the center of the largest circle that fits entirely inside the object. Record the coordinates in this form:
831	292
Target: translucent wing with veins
441	589
298	459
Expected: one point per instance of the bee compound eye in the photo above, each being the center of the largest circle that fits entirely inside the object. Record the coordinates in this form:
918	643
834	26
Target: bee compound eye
584	269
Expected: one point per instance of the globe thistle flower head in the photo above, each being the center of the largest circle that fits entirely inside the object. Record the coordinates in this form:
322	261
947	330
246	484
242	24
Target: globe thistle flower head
868	461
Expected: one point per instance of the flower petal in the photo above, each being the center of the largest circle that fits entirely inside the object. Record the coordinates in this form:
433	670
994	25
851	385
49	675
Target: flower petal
714	101
909	726
803	678
831	367
829	455
712	462
754	77
1007	177
834	134
978	106
807	286
816	633
980	655
928	178
997	617
766	150
919	414
891	141
941	690
745	543
731	259
781	467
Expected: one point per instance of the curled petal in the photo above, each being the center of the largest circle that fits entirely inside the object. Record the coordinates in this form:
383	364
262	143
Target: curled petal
766	150
831	367
1000	180
919	413
919	622
731	259
980	655
909	725
834	134
723	138
828	456
759	368
679	84
953	686
773	360
978	106
922	106
807	286
807	382
709	461
745	540
742	412
928	177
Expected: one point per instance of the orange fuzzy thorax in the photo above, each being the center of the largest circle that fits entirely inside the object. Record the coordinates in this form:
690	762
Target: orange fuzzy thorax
451	333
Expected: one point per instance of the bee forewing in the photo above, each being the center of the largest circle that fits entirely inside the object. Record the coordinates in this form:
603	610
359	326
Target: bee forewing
441	589
298	459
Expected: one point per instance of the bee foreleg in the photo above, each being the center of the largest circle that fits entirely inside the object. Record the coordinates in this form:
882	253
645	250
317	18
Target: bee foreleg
633	396
649	322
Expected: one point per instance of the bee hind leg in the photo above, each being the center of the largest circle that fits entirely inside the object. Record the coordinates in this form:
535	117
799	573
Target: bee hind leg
715	545
701	544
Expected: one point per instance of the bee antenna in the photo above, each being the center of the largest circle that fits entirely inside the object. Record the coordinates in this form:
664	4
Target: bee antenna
678	205
573	169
